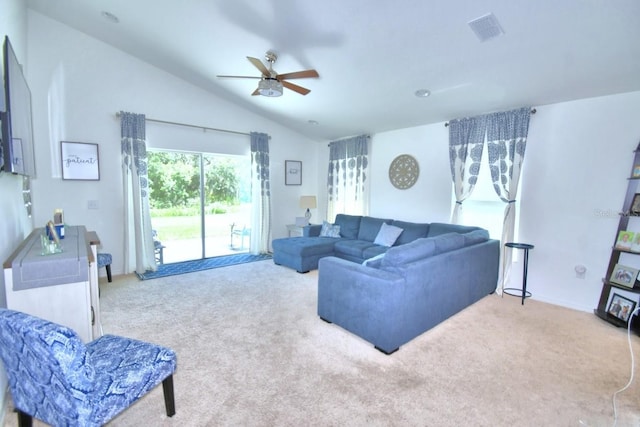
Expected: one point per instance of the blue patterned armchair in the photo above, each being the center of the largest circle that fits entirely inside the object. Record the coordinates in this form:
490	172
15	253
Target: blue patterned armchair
56	378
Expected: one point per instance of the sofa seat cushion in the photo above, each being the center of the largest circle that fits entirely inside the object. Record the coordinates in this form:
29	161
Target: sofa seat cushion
349	225
370	227
438	228
410	231
306	246
373	251
352	248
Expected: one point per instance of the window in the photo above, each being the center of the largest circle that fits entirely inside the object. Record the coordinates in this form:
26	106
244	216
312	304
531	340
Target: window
484	208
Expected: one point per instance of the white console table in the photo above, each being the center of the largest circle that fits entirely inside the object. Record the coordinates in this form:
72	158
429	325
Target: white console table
63	287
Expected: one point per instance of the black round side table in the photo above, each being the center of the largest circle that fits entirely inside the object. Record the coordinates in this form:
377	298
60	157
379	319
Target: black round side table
515	292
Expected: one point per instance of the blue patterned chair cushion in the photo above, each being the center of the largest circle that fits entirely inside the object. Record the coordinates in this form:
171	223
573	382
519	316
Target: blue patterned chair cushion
104	259
55	377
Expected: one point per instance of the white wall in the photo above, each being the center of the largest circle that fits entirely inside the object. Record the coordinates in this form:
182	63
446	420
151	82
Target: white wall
429	200
79	83
578	157
15	224
577	163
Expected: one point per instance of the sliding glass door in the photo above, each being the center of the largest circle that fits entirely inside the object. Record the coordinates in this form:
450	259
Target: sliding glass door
200	204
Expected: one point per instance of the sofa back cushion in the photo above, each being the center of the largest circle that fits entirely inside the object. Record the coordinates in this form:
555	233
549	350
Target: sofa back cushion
422	248
448	242
349	225
438	228
387	235
412	251
369	228
476	236
411	231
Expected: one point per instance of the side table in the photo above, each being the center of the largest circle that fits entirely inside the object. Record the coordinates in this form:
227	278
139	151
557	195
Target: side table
294	230
523	293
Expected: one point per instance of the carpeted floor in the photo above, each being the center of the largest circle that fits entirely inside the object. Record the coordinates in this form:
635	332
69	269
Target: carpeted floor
252	352
183	267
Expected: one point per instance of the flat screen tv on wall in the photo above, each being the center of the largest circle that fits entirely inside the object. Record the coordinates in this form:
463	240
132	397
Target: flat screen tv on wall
17	129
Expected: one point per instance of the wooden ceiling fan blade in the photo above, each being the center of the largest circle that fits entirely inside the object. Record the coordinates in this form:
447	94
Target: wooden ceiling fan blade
298	75
301	90
239	77
260	66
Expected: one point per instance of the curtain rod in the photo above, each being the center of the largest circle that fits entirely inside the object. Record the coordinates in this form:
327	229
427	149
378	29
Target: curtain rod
533	111
204	128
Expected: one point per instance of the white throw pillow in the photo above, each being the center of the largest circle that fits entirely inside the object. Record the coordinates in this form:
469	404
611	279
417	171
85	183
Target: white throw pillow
387	235
329	230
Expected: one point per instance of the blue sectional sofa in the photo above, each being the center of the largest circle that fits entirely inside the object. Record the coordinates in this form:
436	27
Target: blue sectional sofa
389	295
356	241
414	287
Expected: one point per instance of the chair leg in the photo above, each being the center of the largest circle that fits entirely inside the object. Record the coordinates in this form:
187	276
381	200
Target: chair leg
169	402
108	267
24	420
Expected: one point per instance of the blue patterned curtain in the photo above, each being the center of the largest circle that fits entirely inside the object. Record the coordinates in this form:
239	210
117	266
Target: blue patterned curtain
506	142
138	236
347	177
466	140
260	194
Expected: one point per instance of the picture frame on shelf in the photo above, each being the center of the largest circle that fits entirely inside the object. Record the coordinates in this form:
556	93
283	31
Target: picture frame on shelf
634	209
621	307
292	172
635	245
625	240
624	276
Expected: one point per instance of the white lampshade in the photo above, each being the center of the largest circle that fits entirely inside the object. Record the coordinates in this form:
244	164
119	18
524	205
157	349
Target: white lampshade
308	202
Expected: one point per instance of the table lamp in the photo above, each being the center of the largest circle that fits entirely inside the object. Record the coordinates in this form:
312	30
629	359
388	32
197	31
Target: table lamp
308	202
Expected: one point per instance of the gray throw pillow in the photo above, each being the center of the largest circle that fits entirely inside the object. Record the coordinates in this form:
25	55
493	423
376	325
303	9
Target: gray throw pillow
329	230
387	235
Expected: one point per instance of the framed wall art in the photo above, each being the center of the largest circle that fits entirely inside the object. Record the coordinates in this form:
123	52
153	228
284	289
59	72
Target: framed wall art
292	172
80	161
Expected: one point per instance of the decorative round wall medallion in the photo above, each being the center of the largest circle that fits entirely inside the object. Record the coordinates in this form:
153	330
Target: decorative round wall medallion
404	171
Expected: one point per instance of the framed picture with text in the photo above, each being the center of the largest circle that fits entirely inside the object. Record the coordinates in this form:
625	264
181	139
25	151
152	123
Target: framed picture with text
80	161
292	172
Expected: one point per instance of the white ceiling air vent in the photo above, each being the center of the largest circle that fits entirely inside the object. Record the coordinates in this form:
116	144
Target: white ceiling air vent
486	27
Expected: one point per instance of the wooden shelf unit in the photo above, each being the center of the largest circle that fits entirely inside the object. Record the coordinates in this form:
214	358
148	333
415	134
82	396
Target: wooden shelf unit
623	224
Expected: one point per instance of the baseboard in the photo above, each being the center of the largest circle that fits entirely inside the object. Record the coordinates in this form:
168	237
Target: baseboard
562	303
5	402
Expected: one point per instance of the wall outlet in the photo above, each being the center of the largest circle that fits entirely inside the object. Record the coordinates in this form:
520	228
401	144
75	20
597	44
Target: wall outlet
93	204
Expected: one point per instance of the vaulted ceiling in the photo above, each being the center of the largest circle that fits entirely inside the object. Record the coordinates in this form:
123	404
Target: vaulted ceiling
372	56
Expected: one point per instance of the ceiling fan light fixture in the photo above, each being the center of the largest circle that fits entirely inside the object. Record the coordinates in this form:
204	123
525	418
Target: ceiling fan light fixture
270	87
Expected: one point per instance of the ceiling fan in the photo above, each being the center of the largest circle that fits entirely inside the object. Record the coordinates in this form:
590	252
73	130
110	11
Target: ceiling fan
271	83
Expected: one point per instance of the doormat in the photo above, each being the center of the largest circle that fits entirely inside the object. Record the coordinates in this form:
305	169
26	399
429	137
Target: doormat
183	267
